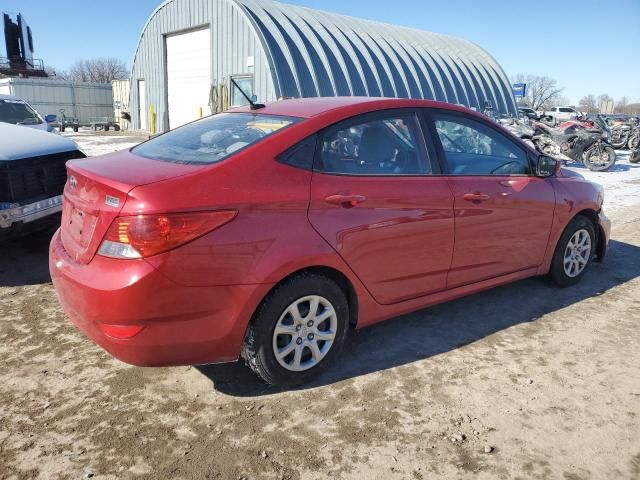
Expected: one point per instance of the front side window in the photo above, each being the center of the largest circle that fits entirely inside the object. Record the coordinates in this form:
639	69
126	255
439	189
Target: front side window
213	139
384	146
472	148
18	112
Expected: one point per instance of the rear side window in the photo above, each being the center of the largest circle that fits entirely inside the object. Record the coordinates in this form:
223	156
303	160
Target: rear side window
301	154
567	110
388	145
472	148
214	138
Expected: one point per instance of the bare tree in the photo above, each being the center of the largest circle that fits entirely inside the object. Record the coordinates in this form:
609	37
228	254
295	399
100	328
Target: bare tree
621	105
541	91
55	72
98	70
588	104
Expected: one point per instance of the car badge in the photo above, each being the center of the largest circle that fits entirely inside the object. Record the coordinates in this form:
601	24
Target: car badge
112	201
73	183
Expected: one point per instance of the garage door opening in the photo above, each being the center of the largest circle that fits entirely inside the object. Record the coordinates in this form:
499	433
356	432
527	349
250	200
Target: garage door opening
188	75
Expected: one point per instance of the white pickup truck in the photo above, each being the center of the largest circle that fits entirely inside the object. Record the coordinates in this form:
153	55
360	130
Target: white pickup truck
562	114
32	177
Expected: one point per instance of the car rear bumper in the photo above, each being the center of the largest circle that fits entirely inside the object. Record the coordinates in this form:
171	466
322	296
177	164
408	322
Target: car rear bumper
31	212
110	300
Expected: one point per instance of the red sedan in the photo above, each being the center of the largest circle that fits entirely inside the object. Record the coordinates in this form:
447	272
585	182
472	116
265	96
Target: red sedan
269	233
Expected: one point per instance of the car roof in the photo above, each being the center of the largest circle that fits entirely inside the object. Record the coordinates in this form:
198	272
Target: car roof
9	97
311	107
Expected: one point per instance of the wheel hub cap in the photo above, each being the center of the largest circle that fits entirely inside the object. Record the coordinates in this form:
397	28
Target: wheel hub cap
304	333
577	253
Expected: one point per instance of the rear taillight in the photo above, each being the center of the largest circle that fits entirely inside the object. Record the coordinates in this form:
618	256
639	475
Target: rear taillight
141	236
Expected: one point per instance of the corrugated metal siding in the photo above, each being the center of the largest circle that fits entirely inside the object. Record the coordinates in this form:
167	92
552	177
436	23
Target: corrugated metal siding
377	59
81	100
233	40
303	52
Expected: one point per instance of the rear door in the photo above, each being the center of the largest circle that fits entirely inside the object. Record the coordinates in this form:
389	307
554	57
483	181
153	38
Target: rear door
375	199
503	213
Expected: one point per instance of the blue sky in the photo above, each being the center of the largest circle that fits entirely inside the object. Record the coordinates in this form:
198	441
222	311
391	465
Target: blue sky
589	46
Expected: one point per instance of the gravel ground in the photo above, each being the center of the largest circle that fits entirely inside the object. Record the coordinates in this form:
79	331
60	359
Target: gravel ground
523	381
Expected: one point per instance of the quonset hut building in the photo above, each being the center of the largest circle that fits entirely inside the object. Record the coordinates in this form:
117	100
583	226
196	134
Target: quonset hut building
190	49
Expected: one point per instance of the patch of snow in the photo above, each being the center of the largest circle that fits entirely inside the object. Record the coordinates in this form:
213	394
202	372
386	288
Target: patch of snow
94	144
621	182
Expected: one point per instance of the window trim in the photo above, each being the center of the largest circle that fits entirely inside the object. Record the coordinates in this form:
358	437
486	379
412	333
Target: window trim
430	114
421	141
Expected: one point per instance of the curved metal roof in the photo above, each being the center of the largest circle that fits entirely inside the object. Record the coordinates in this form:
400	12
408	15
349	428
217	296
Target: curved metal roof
314	53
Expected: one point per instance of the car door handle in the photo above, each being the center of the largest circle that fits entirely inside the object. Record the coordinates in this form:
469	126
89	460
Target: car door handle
346	200
476	197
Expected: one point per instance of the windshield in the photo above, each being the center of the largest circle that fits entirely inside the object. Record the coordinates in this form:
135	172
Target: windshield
18	112
212	139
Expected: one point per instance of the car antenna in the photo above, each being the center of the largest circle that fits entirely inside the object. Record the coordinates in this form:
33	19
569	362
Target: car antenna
252	101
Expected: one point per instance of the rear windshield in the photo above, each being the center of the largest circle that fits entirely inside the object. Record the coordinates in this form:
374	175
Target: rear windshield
18	112
213	139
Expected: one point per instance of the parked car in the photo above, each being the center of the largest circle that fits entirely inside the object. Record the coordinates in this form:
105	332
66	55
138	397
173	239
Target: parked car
16	111
32	177
562	114
529	113
269	233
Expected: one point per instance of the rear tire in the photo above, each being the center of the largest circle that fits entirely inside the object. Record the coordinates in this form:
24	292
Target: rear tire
297	351
575	249
634	141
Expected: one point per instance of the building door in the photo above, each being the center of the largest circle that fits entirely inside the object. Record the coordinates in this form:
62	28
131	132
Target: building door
188	76
142	105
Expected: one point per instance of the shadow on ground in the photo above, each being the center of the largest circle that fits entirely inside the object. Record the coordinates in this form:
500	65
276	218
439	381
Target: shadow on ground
25	260
445	327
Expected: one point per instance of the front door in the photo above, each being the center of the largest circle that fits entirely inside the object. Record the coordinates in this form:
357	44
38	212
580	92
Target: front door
503	214
374	199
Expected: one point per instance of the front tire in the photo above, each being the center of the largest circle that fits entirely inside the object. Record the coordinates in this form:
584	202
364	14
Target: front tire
600	161
297	330
573	252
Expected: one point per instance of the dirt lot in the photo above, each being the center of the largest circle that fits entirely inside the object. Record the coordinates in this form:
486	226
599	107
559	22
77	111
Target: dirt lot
548	378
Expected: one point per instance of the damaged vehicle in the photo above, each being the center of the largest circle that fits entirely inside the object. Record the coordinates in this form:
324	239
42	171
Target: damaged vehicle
269	232
32	178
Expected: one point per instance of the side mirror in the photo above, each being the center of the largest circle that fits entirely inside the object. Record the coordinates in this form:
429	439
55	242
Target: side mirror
547	166
50	118
254	98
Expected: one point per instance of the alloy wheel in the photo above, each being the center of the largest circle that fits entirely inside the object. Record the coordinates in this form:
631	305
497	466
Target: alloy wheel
304	333
577	253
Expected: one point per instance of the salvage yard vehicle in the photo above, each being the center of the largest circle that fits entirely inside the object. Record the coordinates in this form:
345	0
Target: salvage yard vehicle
267	232
529	113
32	178
562	114
16	111
577	141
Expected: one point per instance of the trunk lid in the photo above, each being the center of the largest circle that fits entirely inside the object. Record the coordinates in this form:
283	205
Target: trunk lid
96	192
